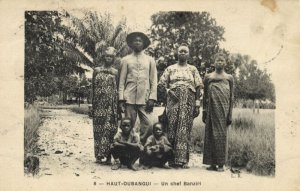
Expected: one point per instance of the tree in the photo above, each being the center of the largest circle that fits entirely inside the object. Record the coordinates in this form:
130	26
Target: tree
252	82
93	33
44	53
198	29
56	43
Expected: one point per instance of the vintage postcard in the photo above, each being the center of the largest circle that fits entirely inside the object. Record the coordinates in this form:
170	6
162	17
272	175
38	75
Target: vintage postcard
150	95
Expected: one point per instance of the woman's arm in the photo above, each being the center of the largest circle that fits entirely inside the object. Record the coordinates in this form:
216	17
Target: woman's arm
198	85
205	98
163	85
231	100
164	79
96	70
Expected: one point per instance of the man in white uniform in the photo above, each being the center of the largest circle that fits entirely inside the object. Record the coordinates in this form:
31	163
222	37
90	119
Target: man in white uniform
138	83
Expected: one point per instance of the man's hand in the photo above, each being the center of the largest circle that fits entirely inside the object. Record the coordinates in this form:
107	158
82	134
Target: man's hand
204	116
149	106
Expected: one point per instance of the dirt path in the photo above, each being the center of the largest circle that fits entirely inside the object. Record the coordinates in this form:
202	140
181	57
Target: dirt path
66	141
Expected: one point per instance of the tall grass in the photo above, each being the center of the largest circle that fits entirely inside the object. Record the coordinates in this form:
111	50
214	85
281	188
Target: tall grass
251	141
32	121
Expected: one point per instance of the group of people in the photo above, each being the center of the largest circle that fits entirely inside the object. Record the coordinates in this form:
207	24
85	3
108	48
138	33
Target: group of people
132	90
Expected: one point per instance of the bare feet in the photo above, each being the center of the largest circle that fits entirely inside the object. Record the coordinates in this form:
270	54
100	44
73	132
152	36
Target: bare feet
212	168
107	162
173	166
145	167
99	160
116	165
165	166
132	167
185	166
220	169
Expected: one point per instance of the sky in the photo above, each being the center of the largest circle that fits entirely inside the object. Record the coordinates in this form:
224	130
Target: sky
250	28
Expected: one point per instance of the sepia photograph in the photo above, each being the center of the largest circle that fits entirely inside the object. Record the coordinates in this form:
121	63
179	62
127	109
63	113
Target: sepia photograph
155	95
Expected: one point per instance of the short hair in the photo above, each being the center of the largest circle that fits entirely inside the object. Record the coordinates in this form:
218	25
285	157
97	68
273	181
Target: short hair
125	118
183	45
158	123
220	54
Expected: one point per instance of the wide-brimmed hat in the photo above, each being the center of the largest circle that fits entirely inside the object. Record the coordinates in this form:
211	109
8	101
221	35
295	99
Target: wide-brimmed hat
130	37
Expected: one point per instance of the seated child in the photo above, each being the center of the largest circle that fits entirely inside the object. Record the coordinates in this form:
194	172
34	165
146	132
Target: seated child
126	148
158	149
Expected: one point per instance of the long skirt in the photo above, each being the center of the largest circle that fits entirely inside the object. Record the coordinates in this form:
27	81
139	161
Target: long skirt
215	141
105	115
180	113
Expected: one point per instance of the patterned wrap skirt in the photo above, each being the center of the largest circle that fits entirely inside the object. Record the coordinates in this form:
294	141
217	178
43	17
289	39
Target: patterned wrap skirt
216	129
105	115
180	113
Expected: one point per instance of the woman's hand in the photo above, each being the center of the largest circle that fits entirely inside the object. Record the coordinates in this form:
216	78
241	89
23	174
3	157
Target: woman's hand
113	71
122	106
229	120
204	116
171	92
196	111
92	112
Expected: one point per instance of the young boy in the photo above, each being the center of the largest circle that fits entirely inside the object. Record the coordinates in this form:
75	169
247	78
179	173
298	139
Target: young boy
158	149
126	148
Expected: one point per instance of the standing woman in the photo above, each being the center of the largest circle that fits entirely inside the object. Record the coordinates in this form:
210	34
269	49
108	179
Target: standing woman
217	114
105	101
182	83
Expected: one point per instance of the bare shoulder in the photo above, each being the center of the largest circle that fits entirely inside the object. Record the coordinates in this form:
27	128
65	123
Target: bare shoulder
229	77
208	76
97	69
151	137
114	71
125	58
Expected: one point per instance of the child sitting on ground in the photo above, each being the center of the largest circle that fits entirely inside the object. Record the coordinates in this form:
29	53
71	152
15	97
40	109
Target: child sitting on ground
158	149
126	148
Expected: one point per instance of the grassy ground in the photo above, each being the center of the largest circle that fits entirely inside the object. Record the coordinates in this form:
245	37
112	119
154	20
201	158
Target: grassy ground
251	139
32	121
